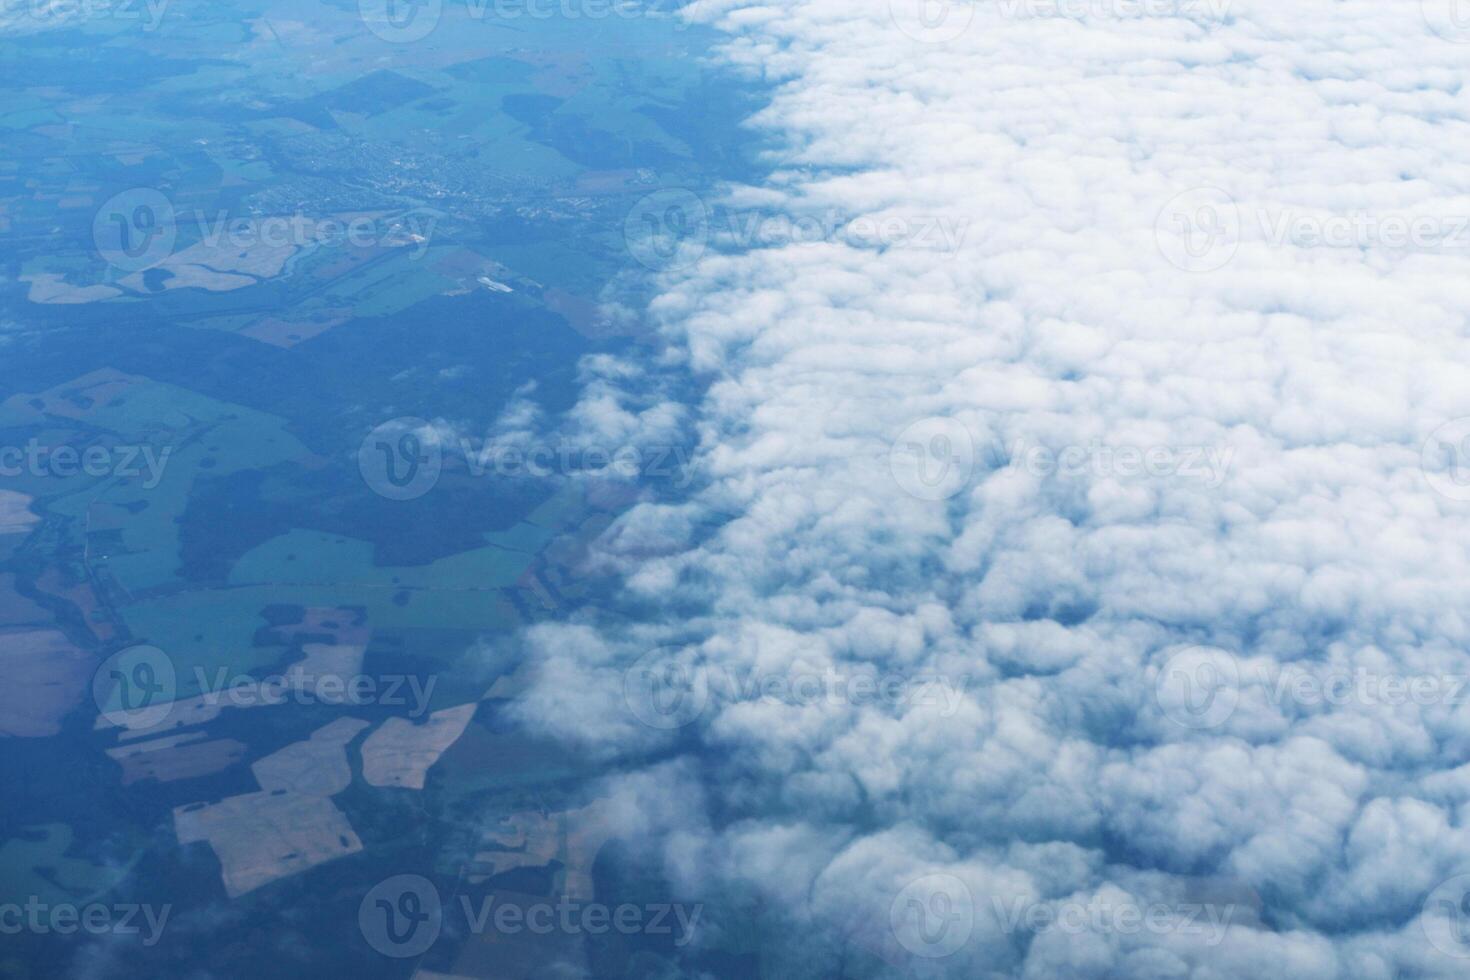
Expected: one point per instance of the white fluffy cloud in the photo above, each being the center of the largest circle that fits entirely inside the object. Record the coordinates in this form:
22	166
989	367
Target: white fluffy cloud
1208	305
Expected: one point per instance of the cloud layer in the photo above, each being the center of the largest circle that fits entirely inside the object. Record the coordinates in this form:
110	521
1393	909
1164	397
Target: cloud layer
1143	464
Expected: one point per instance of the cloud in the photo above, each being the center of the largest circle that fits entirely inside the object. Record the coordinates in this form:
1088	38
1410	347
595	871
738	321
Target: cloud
1234	405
